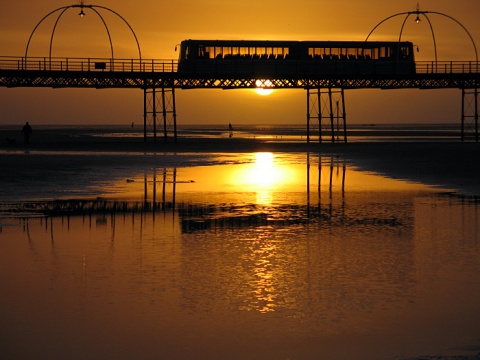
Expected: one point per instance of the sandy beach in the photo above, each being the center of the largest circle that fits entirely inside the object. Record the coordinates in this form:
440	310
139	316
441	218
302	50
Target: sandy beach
451	165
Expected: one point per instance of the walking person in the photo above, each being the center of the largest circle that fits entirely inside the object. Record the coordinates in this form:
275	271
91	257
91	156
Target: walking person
26	131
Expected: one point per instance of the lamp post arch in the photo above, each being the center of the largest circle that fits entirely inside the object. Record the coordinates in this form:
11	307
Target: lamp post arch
82	6
419	12
467	94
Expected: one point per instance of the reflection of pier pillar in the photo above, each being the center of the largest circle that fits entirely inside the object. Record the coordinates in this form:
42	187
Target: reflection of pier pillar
308	184
335	167
169	176
470	114
154	188
161	101
326	114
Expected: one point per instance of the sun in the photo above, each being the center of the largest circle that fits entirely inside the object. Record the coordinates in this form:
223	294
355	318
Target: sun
263	87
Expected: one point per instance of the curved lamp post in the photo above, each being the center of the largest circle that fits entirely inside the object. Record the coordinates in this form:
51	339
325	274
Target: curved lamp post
418	12
82	7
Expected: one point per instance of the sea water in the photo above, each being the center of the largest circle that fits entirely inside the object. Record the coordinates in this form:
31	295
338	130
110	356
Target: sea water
238	256
286	133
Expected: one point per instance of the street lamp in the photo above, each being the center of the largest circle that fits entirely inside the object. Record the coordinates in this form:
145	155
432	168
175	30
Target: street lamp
417	20
81	14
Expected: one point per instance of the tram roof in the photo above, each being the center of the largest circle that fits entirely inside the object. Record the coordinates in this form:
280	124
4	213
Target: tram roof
286	43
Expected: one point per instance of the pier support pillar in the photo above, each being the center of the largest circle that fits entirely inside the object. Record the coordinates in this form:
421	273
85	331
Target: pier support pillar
470	114
326	115
159	101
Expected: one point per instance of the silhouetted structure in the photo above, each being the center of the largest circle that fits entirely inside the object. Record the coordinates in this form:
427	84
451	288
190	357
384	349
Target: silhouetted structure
323	68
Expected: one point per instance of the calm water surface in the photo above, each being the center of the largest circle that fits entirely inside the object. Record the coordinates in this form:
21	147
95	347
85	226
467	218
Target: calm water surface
268	256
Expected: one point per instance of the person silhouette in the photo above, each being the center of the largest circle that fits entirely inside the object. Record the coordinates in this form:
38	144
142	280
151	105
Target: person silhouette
26	131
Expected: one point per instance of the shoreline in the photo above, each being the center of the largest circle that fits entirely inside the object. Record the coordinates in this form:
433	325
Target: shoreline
451	165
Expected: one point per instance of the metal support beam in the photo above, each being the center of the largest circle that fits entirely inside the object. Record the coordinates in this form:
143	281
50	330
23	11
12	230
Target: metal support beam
145	115
326	112
469	117
169	112
313	112
150	112
163	103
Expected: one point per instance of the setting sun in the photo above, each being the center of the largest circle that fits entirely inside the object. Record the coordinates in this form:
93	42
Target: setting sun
263	87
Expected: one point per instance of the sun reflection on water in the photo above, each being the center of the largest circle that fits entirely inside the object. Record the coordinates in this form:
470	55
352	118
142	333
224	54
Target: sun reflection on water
265	173
266	176
264	283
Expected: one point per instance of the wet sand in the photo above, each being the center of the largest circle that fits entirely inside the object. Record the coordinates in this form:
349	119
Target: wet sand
451	165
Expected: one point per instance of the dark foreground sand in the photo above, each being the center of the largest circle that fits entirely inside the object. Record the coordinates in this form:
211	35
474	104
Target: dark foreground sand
452	165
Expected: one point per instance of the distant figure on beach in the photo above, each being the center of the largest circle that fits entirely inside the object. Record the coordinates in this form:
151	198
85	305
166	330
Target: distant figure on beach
230	129
27	131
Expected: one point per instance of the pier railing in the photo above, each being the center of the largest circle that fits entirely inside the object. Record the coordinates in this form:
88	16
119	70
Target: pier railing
447	67
171	66
87	64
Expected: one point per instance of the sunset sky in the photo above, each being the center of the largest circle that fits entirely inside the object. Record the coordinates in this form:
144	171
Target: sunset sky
161	25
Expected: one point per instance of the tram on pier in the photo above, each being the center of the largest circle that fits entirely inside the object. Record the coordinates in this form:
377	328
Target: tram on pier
262	58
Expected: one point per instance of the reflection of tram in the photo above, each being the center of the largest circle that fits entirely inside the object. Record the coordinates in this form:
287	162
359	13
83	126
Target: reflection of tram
263	58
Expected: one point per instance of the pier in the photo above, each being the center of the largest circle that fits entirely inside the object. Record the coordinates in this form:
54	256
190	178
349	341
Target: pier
323	73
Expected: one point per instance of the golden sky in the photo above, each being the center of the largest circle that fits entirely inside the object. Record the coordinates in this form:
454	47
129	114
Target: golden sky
160	25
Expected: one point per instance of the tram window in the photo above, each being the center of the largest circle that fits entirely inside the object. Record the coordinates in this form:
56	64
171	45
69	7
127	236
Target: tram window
367	53
227	51
326	53
187	51
210	52
244	51
405	52
382	53
352	53
201	51
218	52
316	52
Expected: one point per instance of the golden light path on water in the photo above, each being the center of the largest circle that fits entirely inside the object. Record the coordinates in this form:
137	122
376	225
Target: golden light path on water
268	177
266	180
